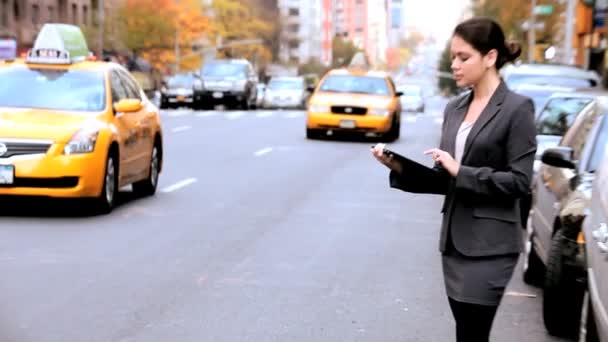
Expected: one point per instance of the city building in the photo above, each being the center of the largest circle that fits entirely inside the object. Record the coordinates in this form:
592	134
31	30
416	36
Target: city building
366	24
301	21
22	19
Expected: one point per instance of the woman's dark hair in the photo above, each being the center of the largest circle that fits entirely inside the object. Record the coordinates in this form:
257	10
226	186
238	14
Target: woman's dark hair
484	34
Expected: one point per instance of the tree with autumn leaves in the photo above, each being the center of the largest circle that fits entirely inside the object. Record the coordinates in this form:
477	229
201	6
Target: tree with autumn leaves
151	29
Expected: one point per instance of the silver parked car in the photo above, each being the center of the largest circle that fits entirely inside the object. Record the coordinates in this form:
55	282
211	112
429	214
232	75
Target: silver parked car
285	92
594	322
549	74
412	99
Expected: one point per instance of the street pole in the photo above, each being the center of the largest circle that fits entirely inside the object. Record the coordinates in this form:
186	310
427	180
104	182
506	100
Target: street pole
570	13
101	16
532	33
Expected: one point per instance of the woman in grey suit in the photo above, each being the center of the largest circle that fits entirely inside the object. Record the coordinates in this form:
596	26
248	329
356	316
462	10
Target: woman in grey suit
483	167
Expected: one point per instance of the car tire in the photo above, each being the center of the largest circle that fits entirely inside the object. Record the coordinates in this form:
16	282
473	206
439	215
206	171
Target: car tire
105	202
562	293
394	131
312	133
533	268
147	187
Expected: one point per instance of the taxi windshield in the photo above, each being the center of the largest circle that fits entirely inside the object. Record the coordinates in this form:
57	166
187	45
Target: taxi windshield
355	84
54	89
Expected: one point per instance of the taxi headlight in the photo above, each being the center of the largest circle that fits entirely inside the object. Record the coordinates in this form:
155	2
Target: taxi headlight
319	109
82	142
379	112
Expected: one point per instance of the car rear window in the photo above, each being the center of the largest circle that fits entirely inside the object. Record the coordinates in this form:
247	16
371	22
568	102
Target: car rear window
559	114
54	89
355	84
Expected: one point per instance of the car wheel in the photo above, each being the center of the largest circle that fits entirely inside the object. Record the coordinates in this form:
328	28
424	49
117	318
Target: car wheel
148	186
533	268
394	132
562	293
106	200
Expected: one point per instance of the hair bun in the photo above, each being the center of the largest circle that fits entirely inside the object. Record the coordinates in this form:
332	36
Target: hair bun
513	50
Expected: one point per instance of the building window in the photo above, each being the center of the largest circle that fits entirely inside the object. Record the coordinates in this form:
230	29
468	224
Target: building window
52	14
74	14
294	28
35	14
294	12
85	15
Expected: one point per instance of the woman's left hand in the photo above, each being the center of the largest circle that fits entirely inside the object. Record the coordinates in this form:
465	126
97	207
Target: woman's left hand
445	160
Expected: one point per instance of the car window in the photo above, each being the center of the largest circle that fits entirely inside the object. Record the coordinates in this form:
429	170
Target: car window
181	81
355	84
599	145
559	114
285	84
130	85
225	70
54	89
577	136
119	92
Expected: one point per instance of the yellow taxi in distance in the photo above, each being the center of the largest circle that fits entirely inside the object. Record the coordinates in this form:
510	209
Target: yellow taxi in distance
71	127
355	100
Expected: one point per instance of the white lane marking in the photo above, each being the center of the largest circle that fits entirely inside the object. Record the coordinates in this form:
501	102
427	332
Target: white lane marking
205	114
234	115
293	115
263	151
180	129
439	120
264	114
410	119
181	184
180	113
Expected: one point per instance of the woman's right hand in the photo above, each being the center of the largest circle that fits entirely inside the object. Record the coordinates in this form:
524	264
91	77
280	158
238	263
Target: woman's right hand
378	153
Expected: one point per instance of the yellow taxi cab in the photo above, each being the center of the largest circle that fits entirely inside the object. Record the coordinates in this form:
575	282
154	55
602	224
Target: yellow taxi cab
71	127
356	100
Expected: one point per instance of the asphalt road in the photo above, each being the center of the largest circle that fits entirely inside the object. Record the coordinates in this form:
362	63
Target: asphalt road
256	234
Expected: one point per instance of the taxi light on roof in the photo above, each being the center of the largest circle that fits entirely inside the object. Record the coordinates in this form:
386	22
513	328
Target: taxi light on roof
59	44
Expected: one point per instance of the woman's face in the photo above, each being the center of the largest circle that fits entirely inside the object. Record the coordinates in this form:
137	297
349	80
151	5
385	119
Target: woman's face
468	65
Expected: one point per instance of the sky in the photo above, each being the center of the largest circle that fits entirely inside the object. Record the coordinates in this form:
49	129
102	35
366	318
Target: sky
436	17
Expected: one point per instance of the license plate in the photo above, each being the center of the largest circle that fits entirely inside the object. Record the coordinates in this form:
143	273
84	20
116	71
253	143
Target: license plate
7	174
347	124
181	98
218	95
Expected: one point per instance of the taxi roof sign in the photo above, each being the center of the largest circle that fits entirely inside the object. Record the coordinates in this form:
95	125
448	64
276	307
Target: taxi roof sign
59	44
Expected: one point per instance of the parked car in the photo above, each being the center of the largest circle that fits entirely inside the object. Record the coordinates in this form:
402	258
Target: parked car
561	195
286	92
539	94
412	99
549	74
229	82
178	90
594	322
259	102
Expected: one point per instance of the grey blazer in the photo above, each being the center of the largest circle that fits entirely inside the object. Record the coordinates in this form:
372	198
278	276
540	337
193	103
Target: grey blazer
481	207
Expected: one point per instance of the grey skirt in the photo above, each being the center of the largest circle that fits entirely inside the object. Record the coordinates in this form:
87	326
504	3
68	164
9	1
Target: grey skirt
477	280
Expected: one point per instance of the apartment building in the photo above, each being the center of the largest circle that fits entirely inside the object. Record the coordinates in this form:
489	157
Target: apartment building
22	19
302	24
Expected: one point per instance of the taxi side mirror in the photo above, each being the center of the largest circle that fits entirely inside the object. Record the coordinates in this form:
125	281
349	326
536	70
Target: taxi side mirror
128	106
399	94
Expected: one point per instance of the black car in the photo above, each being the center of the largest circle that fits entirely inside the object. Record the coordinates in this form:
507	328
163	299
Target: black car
178	90
562	190
229	82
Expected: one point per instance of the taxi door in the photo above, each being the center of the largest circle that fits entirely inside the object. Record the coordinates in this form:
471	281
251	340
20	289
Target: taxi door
126	124
144	125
